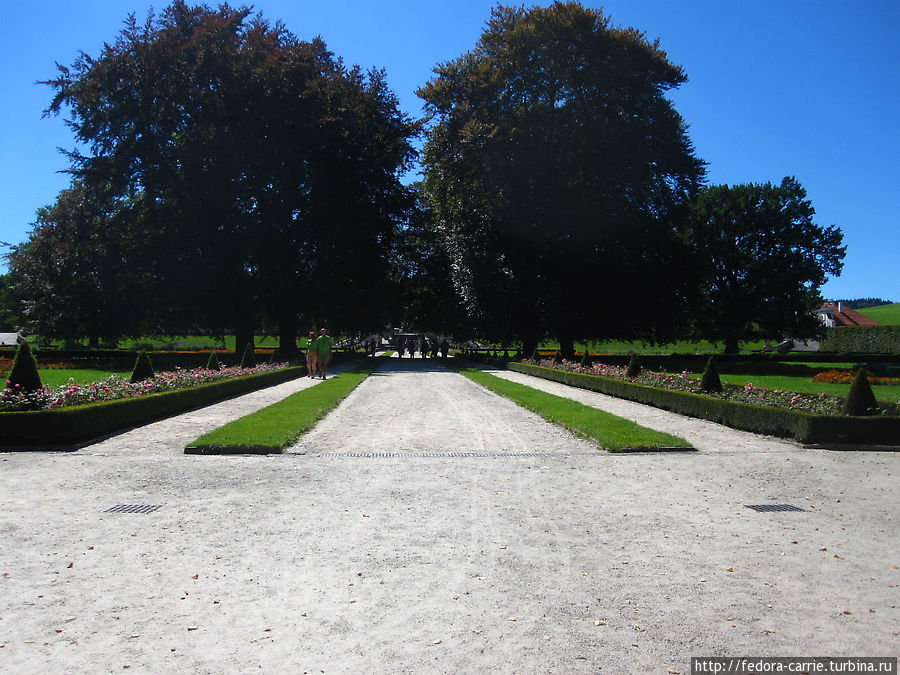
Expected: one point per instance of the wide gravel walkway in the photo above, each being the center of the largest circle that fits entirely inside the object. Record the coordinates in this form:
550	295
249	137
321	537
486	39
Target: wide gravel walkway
428	525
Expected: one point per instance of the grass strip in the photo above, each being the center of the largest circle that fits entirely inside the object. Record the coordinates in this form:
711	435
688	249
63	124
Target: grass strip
613	433
278	426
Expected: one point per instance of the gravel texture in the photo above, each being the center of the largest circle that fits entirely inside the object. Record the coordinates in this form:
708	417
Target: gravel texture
430	526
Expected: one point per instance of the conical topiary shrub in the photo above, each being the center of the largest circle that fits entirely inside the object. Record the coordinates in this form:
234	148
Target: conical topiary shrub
275	357
535	355
634	368
710	380
558	357
861	399
24	373
213	362
586	360
249	358
143	369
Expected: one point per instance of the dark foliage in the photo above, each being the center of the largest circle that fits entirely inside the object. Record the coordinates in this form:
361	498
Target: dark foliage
710	380
555	162
24	373
760	261
634	367
248	360
213	362
143	369
861	398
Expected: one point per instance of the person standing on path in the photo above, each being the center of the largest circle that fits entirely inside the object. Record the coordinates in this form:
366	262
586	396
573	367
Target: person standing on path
323	350
311	355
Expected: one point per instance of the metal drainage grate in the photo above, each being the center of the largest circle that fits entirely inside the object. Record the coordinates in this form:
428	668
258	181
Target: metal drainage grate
133	508
443	454
760	508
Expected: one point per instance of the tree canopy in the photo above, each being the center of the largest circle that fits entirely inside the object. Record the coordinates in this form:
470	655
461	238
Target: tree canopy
553	164
249	164
761	261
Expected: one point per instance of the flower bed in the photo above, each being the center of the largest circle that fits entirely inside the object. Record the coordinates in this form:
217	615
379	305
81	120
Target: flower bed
71	424
817	404
838	376
807	427
115	388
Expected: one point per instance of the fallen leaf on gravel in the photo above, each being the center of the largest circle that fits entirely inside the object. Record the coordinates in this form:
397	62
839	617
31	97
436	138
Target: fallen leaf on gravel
672	671
512	618
267	630
476	631
768	630
193	627
636	627
730	569
437	642
6	575
599	622
548	637
703	581
59	630
824	548
196	576
304	614
135	635
70	565
846	611
837	556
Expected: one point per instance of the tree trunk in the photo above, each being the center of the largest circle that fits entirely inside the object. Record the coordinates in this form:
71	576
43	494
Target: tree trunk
567	347
287	338
731	344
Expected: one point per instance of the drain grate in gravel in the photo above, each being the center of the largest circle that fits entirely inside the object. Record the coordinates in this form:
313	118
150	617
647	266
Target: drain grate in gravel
766	508
509	455
133	508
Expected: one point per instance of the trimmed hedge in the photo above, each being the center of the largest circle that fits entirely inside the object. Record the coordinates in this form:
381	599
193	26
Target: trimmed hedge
781	422
75	424
862	339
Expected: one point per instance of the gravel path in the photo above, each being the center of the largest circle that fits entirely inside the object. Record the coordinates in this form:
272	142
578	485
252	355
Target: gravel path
429	526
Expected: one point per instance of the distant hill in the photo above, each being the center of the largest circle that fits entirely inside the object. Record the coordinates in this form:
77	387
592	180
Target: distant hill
859	303
886	315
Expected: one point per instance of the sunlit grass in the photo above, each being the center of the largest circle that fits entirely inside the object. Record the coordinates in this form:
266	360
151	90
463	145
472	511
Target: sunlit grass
281	424
611	432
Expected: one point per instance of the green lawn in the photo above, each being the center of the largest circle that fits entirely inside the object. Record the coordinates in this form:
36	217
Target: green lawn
280	425
886	315
805	385
612	433
57	376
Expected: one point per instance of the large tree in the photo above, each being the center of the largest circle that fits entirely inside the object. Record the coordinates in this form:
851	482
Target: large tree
761	260
263	173
553	164
72	277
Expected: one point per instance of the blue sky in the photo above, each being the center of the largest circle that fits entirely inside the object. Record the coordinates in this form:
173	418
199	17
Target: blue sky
807	88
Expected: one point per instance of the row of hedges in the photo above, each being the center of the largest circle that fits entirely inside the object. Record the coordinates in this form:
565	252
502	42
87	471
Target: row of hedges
863	339
71	425
781	422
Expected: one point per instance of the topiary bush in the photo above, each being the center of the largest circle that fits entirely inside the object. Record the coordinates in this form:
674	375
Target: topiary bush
535	355
586	360
249	358
634	368
213	362
861	399
143	369
710	380
24	373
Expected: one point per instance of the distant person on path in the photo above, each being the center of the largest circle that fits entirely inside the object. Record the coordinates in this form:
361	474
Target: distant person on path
444	349
323	349
311	355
